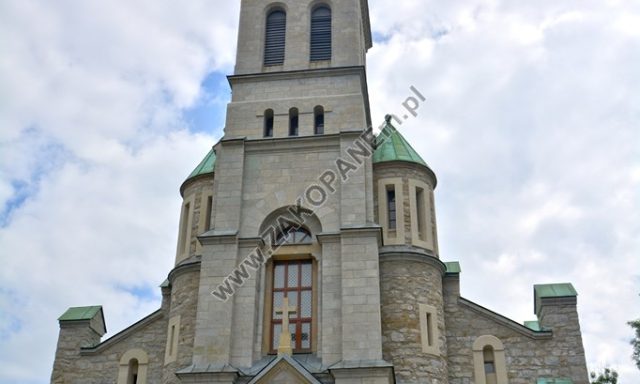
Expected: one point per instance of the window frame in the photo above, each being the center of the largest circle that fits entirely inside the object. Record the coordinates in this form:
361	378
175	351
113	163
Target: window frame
294	319
294	122
318	120
320	34
268	122
479	360
274	38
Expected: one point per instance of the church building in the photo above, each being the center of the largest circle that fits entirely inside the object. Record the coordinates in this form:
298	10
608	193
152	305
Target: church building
300	219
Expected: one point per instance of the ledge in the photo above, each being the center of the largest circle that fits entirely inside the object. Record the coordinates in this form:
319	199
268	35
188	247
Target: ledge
407	254
218	237
188	265
298	74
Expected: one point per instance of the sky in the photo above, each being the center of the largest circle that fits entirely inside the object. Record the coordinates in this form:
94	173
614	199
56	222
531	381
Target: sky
531	123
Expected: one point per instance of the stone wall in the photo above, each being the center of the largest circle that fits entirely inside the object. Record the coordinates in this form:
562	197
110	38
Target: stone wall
407	171
404	285
70	340
198	189
348	45
184	301
101	364
529	355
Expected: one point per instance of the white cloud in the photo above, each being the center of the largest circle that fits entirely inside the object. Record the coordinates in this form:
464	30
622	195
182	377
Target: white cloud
530	124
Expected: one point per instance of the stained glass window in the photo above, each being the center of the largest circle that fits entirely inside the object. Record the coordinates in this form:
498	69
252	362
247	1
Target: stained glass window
293	279
293	235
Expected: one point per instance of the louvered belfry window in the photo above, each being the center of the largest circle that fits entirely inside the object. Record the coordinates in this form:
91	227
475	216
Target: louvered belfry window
274	38
321	34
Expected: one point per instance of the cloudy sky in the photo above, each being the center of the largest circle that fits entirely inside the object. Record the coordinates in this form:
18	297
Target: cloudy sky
531	124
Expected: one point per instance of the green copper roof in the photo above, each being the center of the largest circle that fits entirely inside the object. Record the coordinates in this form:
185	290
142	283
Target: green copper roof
206	165
80	313
553	381
533	325
391	146
554	290
452	267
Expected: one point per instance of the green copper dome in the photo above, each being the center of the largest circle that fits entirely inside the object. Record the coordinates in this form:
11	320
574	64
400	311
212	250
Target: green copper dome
206	165
391	146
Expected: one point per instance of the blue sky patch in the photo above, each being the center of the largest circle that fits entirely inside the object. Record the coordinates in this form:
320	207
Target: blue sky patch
208	114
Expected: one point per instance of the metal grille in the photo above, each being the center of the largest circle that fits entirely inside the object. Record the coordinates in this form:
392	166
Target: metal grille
274	38
321	34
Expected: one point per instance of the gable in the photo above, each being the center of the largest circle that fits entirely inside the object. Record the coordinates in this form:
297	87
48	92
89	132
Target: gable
284	370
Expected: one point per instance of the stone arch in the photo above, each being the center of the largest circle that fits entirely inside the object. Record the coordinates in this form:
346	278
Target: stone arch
138	355
499	376
292	214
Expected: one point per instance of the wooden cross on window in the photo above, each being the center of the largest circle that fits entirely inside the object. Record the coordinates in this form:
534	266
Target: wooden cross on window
284	347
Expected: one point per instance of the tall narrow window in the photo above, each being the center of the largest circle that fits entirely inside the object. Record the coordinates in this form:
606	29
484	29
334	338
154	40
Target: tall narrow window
172	335
184	230
318	120
207	218
428	329
133	367
391	206
274	37
293	279
132	377
320	45
293	122
489	365
268	123
421	213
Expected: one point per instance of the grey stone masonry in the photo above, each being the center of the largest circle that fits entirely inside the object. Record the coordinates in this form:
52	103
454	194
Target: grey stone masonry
101	364
406	281
72	337
184	302
350	22
555	352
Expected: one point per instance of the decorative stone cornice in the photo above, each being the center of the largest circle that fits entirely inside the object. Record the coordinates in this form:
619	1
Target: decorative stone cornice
251	242
389	254
328	237
298	74
399	164
190	265
301	143
218	237
211	373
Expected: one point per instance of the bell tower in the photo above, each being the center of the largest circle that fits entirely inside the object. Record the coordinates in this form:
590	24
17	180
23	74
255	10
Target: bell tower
299	102
299	69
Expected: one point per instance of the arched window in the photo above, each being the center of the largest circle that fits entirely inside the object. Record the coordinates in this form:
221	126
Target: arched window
489	360
268	123
274	37
320	45
293	122
489	365
293	235
133	367
132	375
318	120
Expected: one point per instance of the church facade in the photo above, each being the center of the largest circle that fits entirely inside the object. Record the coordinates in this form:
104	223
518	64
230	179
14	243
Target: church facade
299	219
